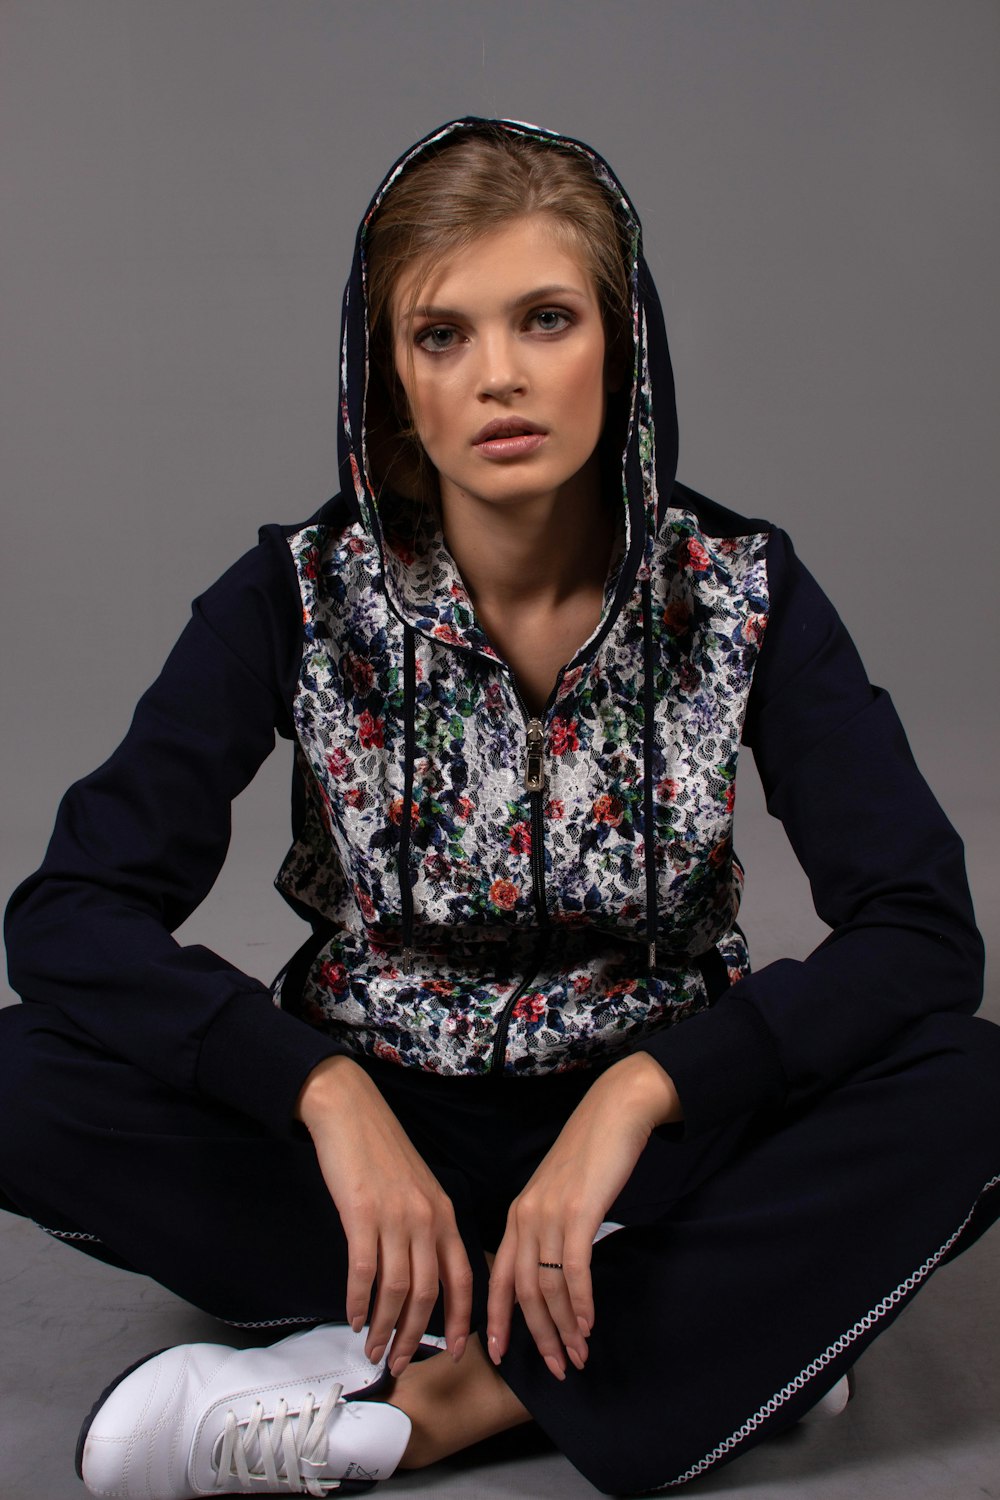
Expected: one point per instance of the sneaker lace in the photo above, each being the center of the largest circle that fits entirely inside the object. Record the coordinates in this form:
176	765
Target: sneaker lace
272	1449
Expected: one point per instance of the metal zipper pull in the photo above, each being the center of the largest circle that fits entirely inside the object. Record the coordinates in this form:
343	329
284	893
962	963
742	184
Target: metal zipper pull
534	768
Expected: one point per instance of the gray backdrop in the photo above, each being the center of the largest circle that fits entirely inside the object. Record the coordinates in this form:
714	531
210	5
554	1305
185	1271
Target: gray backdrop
181	184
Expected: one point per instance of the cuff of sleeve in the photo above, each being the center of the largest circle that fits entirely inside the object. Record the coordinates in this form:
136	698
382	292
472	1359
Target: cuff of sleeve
723	1063
256	1057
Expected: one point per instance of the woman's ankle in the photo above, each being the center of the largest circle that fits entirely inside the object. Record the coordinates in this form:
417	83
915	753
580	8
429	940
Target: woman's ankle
451	1406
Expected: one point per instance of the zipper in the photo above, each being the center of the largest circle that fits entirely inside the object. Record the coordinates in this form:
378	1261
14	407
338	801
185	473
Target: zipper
534	785
503	1025
534	766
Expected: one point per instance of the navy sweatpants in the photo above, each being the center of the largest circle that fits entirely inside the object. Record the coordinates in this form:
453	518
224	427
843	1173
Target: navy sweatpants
765	1256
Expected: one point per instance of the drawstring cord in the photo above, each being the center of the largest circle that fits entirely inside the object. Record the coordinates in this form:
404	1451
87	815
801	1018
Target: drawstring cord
405	821
648	799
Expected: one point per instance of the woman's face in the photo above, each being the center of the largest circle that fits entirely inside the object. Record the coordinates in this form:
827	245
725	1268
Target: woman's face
503	365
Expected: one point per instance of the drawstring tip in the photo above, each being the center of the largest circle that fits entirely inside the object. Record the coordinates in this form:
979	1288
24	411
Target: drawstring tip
652	956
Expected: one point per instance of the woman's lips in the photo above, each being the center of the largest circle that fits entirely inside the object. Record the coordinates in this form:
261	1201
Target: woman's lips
514	446
508	437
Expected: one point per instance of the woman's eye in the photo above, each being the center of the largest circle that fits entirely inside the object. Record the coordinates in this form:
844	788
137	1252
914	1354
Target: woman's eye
436	339
551	320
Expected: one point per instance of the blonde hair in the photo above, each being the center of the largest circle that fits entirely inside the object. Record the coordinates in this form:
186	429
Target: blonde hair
472	184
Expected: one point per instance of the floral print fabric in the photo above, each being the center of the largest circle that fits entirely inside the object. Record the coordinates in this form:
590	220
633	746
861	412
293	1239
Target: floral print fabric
478	990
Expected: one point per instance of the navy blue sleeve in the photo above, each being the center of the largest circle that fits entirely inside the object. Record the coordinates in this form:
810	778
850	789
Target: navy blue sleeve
885	867
139	843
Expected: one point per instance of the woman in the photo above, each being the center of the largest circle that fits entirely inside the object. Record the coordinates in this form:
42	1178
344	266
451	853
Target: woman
654	1202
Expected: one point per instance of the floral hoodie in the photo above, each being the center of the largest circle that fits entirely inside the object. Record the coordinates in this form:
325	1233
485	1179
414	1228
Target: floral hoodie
492	893
499	891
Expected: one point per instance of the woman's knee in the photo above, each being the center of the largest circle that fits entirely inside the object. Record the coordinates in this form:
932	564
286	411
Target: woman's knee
22	1089
962	1053
24	1098
62	1100
954	1062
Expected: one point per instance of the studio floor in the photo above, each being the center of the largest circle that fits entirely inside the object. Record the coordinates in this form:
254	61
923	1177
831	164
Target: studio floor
924	1425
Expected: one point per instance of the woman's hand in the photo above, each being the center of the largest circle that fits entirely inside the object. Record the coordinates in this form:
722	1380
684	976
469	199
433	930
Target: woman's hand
399	1222
555	1217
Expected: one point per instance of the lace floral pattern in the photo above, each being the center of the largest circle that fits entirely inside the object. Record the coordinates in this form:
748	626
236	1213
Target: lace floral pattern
470	865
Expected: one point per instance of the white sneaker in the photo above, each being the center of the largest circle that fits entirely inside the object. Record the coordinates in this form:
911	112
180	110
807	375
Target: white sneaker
204	1419
834	1403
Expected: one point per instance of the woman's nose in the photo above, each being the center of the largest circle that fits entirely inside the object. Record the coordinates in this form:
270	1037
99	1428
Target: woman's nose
501	373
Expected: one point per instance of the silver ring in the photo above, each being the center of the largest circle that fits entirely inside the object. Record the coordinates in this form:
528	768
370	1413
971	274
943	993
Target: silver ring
551	1265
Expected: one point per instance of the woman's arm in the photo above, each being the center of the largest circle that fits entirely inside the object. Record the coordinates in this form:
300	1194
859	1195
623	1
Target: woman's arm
402	1238
887	874
553	1220
138	844
885	866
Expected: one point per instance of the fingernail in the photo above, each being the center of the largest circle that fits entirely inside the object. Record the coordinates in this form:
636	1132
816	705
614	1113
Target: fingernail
376	1354
398	1366
555	1367
458	1349
493	1345
358	1323
574	1356
584	1327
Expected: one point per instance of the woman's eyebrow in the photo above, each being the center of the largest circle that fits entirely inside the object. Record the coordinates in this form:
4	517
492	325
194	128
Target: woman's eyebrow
537	294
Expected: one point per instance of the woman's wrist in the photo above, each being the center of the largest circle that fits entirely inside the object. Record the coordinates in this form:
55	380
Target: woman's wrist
324	1086
647	1089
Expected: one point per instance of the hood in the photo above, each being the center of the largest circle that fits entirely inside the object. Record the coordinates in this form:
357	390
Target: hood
644	470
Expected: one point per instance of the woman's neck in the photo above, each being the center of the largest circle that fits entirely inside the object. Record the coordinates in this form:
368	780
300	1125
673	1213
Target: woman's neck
535	572
537	553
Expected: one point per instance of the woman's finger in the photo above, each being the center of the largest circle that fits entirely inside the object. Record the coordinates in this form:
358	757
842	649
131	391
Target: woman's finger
576	1258
411	1323
456	1281
562	1267
362	1268
534	1303
553	1283
500	1305
392	1289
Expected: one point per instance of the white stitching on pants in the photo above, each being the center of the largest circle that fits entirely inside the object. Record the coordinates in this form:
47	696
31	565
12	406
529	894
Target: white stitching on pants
77	1234
67	1234
821	1361
271	1322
